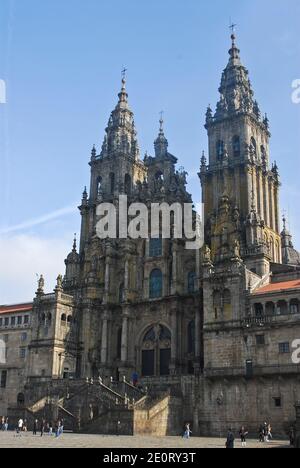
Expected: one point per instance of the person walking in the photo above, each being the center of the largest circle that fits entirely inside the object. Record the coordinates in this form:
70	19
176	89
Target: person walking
230	440
43	423
187	431
265	432
35	427
2	423
270	435
20	427
6	425
243	434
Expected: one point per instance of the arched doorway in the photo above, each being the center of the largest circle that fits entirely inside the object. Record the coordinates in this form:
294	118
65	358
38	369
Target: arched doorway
21	400
156	351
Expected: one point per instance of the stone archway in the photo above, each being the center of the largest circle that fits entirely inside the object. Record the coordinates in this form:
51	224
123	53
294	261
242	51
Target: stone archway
156	351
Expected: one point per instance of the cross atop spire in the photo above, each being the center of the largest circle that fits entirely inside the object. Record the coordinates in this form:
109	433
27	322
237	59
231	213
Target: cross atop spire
161	121
75	243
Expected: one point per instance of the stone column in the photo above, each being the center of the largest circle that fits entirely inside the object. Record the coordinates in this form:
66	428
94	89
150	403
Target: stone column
104	340
174	343
261	195
107	280
266	201
124	348
237	187
174	270
197	342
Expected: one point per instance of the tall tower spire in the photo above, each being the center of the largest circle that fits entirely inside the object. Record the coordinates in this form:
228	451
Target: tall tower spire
161	143
239	165
121	136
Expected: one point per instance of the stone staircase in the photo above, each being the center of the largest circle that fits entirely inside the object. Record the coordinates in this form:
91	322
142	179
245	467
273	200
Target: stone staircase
98	407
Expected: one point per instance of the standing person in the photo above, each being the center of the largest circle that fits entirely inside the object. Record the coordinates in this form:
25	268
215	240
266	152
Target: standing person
43	427
50	428
35	427
187	432
6	425
20	426
270	435
261	433
292	436
2	423
25	425
265	430
230	440
243	434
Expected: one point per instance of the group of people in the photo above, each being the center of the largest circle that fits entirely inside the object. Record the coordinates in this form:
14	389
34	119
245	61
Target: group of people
4	423
265	433
43	427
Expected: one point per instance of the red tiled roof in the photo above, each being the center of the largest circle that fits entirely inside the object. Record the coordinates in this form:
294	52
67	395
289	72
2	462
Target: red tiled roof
277	287
17	308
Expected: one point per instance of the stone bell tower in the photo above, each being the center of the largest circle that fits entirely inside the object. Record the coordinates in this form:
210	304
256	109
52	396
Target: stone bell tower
240	189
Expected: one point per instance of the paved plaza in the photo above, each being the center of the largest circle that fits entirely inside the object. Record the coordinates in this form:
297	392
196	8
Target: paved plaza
10	440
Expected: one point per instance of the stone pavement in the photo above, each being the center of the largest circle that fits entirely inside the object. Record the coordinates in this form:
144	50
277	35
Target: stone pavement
10	440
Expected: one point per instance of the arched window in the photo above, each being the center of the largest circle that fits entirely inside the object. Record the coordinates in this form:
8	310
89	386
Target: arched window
220	149
127	184
63	318
294	306
191	282
112	183
191	337
49	317
122	293
282	308
253	146
69	319
270	308
263	152
155	247
236	146
259	310
156	284
217	303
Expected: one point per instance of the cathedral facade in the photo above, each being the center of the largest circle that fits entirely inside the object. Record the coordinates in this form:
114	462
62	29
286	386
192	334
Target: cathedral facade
212	327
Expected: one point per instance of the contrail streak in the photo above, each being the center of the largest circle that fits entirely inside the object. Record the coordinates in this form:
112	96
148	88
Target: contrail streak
41	220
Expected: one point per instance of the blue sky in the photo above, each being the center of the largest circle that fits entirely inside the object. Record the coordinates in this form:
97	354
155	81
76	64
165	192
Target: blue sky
62	61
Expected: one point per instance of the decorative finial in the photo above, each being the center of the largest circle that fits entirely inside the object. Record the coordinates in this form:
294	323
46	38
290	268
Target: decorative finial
284	220
75	243
161	122
124	70
232	28
94	152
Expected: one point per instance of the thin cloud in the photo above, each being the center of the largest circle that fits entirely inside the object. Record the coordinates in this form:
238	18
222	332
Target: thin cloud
40	220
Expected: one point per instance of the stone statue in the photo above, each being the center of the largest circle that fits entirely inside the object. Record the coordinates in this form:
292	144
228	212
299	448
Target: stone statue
207	254
59	282
236	249
41	284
